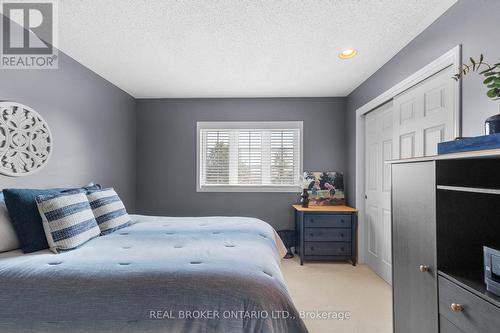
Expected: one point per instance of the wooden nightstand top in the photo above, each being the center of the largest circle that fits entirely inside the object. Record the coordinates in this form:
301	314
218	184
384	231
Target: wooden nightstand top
331	209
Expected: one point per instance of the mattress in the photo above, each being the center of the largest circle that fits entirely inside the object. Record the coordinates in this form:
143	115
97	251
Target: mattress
162	274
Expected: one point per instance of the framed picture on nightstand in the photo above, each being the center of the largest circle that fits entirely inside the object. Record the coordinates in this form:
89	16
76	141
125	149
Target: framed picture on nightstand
325	188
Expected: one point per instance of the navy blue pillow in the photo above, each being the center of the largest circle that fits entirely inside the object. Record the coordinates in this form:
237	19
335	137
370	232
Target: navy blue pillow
92	187
87	189
1	197
23	212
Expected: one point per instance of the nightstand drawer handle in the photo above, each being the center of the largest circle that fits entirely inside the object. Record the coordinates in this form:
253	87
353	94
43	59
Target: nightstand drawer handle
312	235
342	249
312	248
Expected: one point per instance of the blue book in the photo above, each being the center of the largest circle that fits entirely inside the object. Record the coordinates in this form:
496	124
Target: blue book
470	144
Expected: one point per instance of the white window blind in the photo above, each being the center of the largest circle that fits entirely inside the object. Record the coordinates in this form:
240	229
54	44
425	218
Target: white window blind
249	156
217	157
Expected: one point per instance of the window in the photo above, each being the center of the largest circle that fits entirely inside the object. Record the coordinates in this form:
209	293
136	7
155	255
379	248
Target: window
249	156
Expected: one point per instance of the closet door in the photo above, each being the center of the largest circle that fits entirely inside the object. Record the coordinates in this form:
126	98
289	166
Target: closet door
414	248
424	116
379	148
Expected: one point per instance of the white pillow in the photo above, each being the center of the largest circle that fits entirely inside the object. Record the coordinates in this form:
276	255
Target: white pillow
8	237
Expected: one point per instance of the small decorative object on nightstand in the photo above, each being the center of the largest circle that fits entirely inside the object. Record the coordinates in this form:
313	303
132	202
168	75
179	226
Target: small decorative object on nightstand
304	198
326	233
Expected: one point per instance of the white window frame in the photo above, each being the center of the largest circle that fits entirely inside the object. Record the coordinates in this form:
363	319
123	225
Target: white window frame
247	125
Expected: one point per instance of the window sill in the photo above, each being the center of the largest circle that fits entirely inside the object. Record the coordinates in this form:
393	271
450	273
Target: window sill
250	188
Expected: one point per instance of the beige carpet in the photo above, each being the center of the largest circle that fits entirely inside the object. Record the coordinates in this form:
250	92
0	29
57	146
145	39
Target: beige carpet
332	287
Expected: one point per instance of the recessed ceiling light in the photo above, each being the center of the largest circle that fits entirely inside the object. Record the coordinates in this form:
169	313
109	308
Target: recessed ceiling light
347	53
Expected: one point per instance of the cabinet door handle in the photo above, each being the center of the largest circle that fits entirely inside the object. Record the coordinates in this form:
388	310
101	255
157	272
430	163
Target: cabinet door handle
424	268
456	307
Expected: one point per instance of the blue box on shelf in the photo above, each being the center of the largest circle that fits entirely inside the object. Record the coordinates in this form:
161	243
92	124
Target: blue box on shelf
470	144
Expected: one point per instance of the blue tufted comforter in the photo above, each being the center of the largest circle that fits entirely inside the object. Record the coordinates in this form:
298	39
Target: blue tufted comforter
162	274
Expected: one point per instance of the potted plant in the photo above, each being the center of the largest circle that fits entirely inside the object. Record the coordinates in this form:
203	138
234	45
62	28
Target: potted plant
491	80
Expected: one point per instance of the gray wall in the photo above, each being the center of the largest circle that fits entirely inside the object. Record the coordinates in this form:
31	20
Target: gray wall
92	123
166	152
94	129
473	23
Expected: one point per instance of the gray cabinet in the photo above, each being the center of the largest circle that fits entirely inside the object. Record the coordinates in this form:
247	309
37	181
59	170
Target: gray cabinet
414	248
445	210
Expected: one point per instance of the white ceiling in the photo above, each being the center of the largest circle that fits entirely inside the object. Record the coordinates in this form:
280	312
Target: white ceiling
239	48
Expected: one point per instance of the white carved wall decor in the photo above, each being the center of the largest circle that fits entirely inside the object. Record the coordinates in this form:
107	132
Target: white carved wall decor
25	140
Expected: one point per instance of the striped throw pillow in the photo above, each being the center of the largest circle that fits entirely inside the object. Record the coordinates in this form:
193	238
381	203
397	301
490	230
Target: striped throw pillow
67	219
109	210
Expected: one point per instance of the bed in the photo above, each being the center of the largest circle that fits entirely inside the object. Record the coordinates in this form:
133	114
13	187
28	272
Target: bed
162	274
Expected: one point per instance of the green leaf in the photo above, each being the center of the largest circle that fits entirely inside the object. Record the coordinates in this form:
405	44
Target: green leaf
488	80
473	63
486	71
489	73
492	93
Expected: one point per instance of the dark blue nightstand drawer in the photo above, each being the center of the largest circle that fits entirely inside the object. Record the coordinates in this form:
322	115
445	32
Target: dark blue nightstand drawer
327	221
327	249
327	235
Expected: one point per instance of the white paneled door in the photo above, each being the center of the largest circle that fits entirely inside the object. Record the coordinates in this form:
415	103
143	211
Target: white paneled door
411	125
424	116
379	148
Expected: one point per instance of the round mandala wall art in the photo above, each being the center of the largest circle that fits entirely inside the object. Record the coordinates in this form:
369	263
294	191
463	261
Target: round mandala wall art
25	140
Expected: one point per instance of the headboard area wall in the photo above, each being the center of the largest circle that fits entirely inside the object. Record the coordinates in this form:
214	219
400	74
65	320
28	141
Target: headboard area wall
92	124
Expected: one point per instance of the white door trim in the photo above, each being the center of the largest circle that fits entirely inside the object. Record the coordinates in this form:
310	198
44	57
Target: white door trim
451	58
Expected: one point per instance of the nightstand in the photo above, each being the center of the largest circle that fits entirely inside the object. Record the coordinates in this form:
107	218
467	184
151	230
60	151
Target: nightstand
326	233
